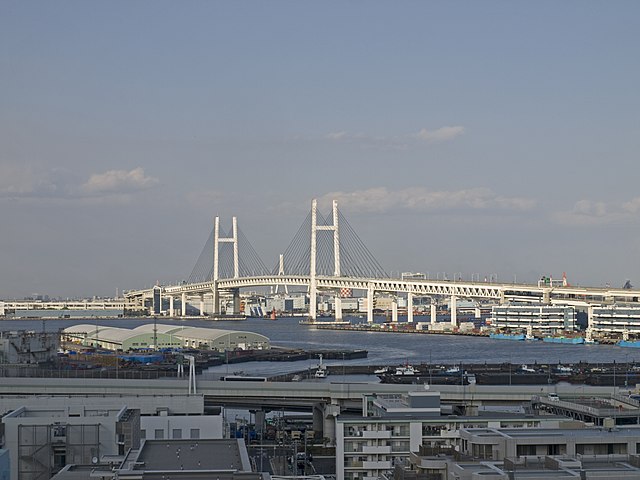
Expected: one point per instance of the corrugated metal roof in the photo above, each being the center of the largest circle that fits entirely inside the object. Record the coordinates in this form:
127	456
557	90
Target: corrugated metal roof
211	334
85	328
113	335
160	328
118	335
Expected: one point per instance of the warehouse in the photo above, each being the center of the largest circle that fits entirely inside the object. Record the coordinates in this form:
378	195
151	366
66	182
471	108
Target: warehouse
163	336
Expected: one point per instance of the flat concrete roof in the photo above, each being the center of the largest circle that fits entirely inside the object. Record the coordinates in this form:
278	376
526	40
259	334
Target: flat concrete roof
180	455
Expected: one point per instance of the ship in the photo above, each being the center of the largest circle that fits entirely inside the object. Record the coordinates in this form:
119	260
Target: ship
566	340
629	343
508	336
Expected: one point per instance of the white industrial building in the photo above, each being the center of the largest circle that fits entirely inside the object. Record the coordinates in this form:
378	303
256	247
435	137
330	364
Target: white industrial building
615	318
392	428
545	318
531	454
42	440
46	433
163	336
67	309
28	347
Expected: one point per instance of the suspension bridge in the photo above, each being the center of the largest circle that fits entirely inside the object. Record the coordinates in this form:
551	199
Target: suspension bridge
326	256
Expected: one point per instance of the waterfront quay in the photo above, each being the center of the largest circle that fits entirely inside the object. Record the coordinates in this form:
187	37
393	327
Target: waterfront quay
626	375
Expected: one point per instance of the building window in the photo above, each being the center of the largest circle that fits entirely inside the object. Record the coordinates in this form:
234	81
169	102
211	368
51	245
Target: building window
195	433
177	433
143	434
59	457
528	450
159	434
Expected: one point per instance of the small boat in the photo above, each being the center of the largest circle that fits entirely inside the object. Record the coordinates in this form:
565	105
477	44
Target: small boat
321	369
453	371
527	369
563	370
381	371
406	370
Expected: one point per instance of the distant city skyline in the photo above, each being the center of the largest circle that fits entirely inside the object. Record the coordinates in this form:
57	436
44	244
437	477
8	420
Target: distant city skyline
484	138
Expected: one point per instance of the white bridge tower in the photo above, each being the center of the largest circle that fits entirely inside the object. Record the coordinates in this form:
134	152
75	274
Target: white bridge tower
313	289
216	258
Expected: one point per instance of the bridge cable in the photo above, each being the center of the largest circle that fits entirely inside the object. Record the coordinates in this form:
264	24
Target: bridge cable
203	269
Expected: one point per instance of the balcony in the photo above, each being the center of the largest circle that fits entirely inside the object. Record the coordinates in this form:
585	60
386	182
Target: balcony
376	450
377	465
376	434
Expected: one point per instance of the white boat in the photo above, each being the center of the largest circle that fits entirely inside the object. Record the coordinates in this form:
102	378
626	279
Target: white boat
526	368
563	369
381	371
452	371
406	370
321	369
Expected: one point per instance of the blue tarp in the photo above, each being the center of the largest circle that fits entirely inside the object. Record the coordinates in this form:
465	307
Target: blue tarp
142	358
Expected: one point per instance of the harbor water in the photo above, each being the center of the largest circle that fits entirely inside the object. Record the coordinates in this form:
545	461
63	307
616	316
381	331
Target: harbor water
385	348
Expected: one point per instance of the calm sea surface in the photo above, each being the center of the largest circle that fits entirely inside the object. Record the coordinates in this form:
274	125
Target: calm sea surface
384	348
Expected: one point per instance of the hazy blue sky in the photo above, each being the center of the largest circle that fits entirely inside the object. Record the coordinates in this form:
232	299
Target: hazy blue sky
474	137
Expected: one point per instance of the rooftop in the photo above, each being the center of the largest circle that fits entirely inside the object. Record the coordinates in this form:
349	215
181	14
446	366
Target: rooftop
189	455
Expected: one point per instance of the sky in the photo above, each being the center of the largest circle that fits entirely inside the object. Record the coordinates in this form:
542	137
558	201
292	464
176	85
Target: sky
490	138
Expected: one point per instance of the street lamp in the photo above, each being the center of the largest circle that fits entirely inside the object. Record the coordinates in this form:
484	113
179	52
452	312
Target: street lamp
343	367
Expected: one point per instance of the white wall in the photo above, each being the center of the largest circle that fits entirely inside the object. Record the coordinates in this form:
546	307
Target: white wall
209	426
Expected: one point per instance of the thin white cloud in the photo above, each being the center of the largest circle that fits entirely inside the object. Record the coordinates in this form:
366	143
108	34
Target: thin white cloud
205	198
337	135
632	206
118	181
403	141
587	213
420	199
30	183
20	181
441	134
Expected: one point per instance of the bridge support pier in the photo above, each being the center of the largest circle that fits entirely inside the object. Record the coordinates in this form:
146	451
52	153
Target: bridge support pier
183	305
157	300
370	292
216	299
260	421
409	307
202	305
331	411
171	309
434	312
589	330
324	420
394	310
235	293
453	310
318	419
478	314
338	307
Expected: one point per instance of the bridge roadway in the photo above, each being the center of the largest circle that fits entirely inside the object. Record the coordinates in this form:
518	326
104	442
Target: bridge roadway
571	295
295	396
